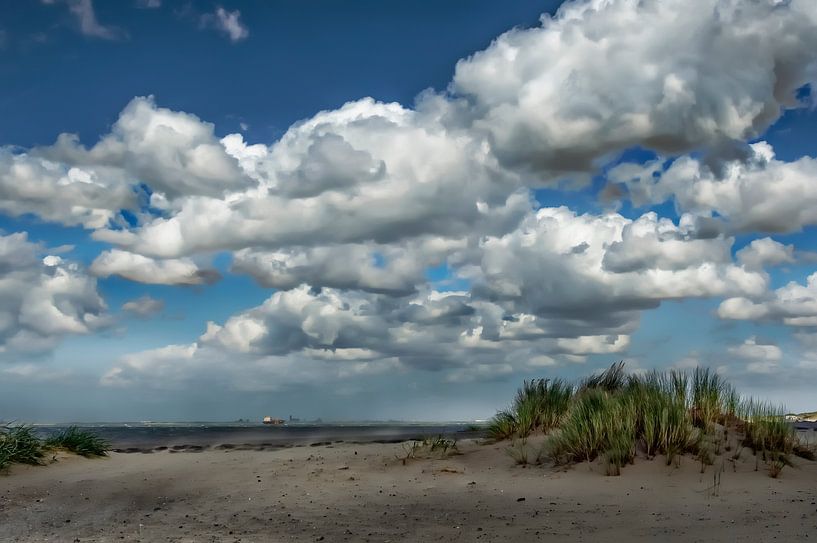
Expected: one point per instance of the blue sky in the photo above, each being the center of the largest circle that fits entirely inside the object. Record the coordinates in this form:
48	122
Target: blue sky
398	209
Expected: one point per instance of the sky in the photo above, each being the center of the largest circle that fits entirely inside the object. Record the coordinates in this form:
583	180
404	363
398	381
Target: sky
399	210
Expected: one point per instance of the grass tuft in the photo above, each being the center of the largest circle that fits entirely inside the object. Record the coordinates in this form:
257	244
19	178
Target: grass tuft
612	379
80	442
18	444
539	406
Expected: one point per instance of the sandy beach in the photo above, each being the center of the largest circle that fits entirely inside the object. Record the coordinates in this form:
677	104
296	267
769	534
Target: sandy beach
364	492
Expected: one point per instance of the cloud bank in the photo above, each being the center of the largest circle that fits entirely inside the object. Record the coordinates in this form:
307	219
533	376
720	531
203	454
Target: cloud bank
350	212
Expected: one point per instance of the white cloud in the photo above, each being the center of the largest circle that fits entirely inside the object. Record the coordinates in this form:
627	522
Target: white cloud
84	12
345	213
43	299
759	194
343	334
175	153
605	75
144	306
227	22
751	349
764	252
599	270
179	271
343	176
793	304
397	269
60	193
760	357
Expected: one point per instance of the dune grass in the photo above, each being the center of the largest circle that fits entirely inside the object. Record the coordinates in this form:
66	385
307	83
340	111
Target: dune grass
81	442
539	405
20	445
613	416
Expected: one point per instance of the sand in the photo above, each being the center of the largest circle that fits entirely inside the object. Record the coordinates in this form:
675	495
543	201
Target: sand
362	492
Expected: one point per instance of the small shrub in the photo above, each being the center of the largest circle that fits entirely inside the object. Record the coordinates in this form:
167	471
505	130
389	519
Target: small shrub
442	445
409	451
804	451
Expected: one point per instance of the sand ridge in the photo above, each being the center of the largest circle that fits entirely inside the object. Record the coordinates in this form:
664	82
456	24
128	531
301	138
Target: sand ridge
363	492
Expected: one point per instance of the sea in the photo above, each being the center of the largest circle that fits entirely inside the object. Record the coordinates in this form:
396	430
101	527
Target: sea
146	436
150	435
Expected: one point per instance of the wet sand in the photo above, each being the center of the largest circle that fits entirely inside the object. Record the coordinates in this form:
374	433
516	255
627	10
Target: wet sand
364	492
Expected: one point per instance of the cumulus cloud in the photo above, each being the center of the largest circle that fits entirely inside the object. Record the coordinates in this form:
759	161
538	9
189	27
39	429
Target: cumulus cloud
60	193
763	252
178	271
43	298
542	294
396	269
447	186
171	153
793	304
347	211
350	333
174	153
144	306
557	98
598	270
602	76
760	194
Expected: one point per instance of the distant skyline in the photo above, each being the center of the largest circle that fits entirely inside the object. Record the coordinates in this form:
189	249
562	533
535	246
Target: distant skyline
399	210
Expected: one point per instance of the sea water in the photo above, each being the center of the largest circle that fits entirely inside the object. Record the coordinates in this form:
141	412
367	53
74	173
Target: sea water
149	434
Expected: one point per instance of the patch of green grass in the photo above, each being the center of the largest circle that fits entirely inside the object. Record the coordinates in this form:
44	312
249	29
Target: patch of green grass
612	379
711	396
79	441
19	445
770	436
598	423
612	416
540	405
663	419
502	426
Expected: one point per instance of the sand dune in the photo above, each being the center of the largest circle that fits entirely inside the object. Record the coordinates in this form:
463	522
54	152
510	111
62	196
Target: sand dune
362	492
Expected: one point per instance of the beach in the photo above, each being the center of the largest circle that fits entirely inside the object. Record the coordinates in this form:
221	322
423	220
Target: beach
366	492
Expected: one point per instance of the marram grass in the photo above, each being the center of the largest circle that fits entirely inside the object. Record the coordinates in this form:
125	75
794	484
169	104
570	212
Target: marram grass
613	416
20	445
78	441
540	405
